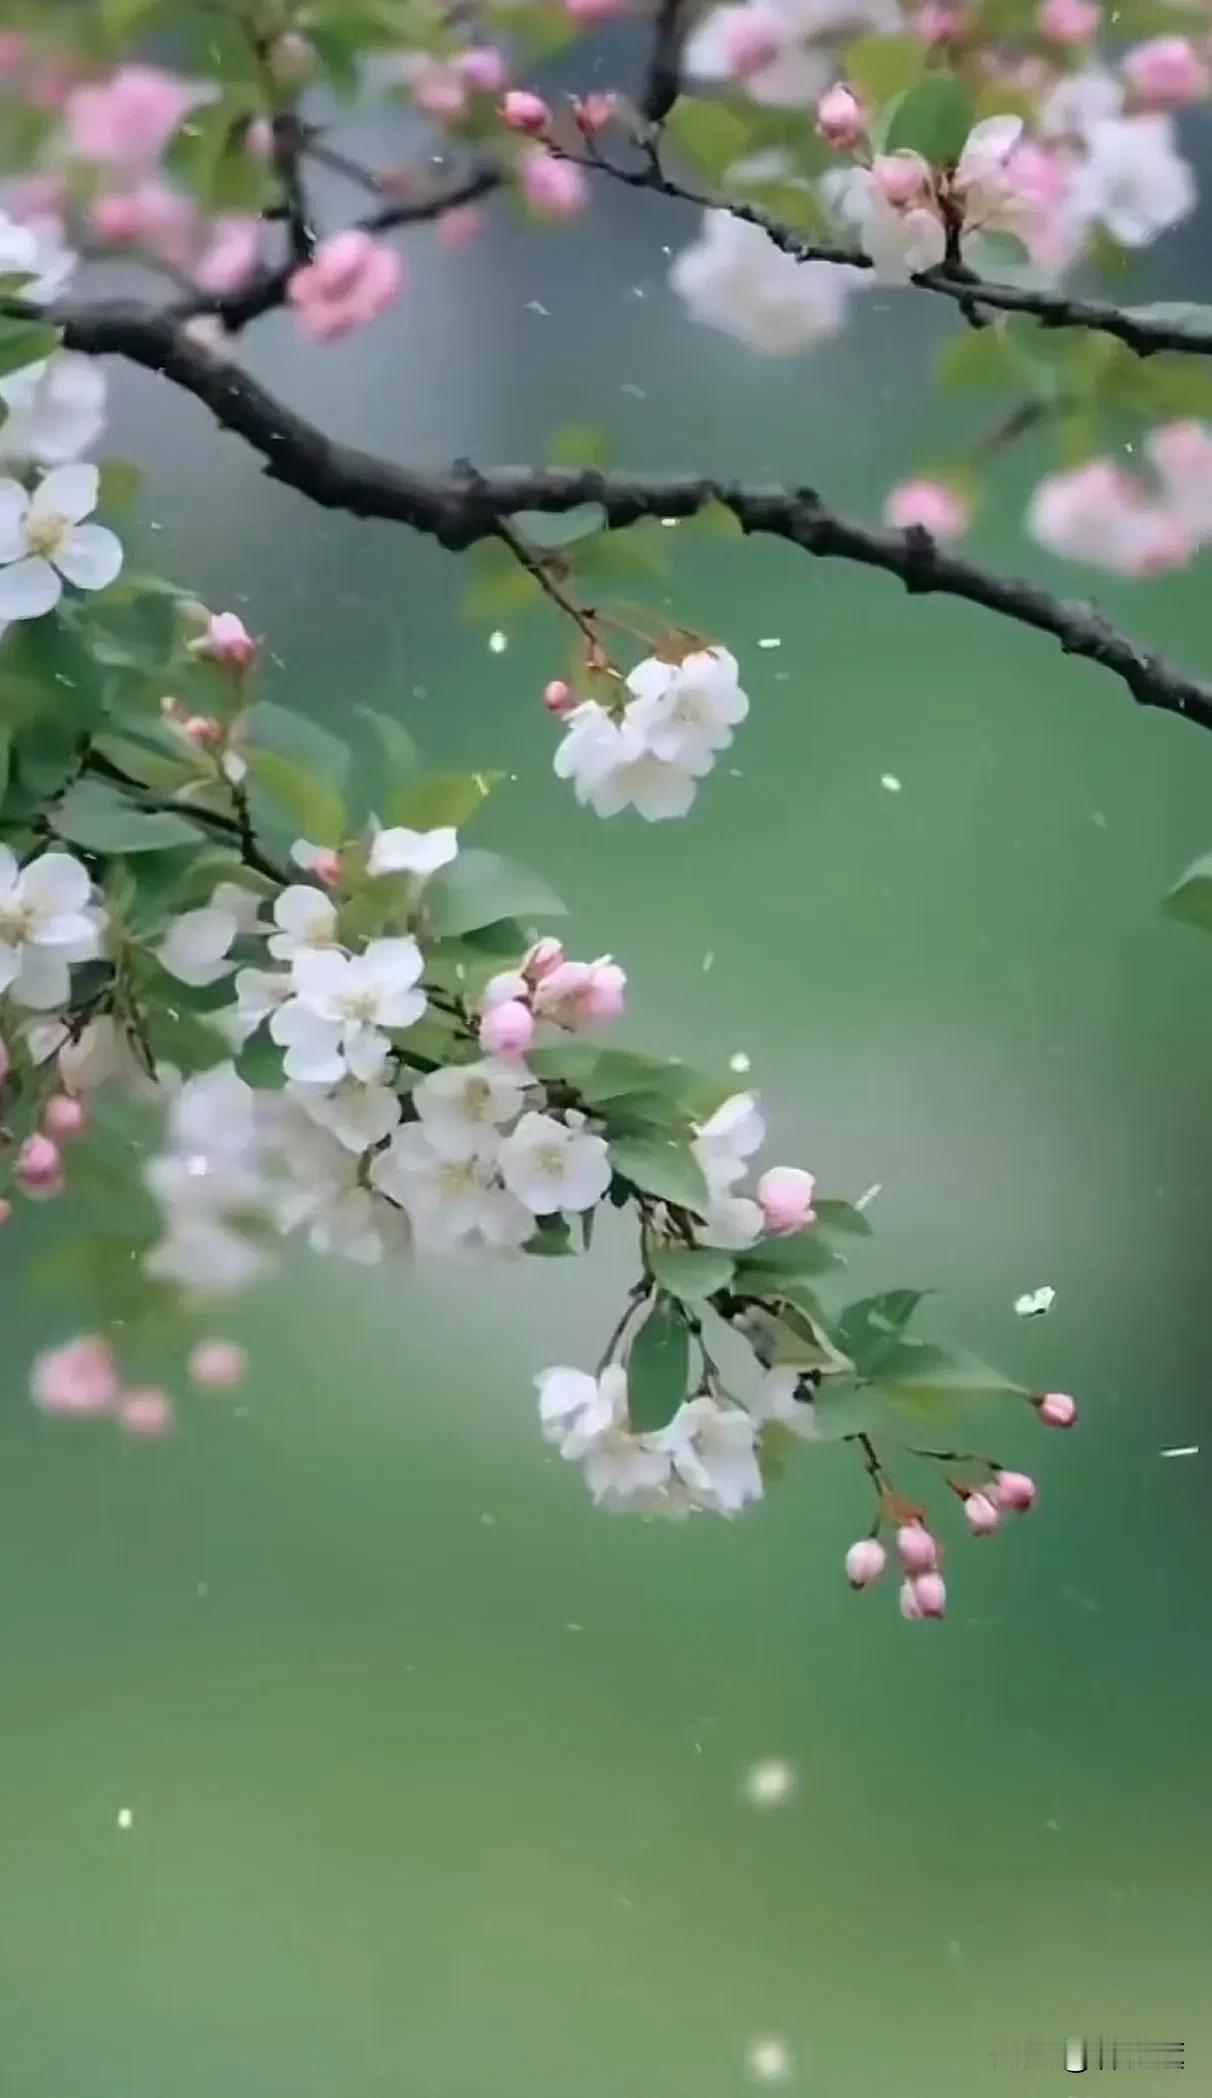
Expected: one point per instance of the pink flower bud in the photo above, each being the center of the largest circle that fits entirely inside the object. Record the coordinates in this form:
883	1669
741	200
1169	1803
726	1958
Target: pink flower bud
751	43
1167	72
508	1029
483	69
79	1378
840	120
910	1607
38	1171
588	13
557	696
351	281
865	1562
937	23
785	1196
218	1365
441	93
1068	21
1056	1409
931	506
555	189
1015	1490
918	1549
525	111
146	1411
461	226
930	1594
227	640
64	1117
981	1513
901	178
582	994
594	113
539	960
204	730
604	996
327	867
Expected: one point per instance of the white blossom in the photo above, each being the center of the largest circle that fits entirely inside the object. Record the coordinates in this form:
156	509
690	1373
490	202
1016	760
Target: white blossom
358	1115
464	1107
686	711
1132	180
552	1165
323	1194
779	1399
305	917
805	39
341	1004
43	542
56	410
46	924
586	1417
734	278
575	1408
899	239
39	255
611	768
723	1146
196	945
451	1202
713	1451
402	851
259	992
210	1181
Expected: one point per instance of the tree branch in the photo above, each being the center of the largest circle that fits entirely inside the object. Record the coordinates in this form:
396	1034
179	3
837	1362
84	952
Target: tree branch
1141	334
463	506
663	73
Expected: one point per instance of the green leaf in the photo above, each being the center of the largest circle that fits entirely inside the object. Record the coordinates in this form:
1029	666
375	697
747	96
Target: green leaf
657	1368
100	820
481	887
709	135
774	1261
552	1239
690	1272
25	342
832	1215
927	1380
315	809
441	798
398	753
870	1329
295	736
933	119
549	529
883	66
210	156
1190	900
661	1166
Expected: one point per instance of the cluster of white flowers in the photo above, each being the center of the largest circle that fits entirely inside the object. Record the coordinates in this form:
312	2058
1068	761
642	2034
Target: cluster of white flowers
48	921
734	278
653	752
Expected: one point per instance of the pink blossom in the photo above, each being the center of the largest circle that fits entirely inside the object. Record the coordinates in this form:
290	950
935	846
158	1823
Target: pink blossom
932	506
590	12
439	90
902	179
38	1170
64	1117
204	729
1015	1490
507	1029
785	1196
981	1513
524	111
840	118
592	113
582	994
918	1549
1181	453
327	866
539	960
79	1378
937	23
929	1594
149	216
1068	21
1098	513
230	256
555	189
461	226
353	279
1056	1409
910	1606
484	69
557	696
1167	72
127	120
751	43
865	1562
227	640
146	1411
218	1365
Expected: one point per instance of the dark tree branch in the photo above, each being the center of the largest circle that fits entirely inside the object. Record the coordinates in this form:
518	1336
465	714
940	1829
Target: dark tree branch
964	287
462	506
663	73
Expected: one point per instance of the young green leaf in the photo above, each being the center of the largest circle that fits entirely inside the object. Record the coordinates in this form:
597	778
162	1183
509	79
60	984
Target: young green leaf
870	1329
1190	900
657	1368
313	807
932	118
661	1166
481	887
100	820
690	1272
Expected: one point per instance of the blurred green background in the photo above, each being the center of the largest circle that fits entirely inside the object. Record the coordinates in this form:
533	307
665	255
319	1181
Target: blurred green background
435	1773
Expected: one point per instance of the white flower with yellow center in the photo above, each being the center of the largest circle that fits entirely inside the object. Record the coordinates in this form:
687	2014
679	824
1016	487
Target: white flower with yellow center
46	923
464	1107
334	1021
552	1165
44	543
451	1202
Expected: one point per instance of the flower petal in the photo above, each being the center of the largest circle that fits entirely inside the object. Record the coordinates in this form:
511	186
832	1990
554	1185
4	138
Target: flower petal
28	589
67	491
55	883
90	557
